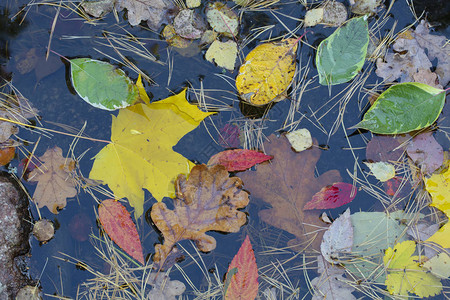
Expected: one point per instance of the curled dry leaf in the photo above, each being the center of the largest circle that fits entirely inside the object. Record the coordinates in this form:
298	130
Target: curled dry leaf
117	223
267	72
208	200
238	159
287	183
55	180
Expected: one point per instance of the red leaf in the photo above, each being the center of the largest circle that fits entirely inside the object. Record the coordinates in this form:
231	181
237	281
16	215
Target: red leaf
331	196
238	159
117	223
244	283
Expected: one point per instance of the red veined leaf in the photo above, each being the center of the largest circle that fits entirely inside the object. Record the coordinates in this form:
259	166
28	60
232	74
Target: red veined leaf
331	196
244	283
238	159
117	223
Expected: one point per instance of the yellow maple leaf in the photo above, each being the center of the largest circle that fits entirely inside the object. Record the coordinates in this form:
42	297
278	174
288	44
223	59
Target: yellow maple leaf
267	72
405	275
438	186
140	154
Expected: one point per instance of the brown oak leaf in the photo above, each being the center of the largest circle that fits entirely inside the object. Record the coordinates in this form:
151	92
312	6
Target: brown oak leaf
288	183
55	180
208	200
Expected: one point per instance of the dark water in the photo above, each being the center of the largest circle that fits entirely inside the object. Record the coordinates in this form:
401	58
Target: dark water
51	94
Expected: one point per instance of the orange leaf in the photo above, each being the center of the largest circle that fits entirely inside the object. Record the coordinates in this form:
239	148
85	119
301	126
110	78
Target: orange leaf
117	223
244	283
6	154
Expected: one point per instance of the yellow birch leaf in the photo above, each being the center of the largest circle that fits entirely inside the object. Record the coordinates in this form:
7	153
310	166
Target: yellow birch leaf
140	154
438	186
405	275
267	72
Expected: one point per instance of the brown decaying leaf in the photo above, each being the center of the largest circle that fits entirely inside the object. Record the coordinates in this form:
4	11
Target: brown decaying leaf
287	183
55	181
6	155
208	200
244	283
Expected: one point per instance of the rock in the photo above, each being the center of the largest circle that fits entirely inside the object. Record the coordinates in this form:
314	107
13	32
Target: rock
14	233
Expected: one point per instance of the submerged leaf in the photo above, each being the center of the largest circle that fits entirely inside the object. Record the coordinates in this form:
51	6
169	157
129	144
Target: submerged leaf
267	72
338	238
117	223
404	107
101	84
238	159
341	56
140	154
426	152
244	282
208	200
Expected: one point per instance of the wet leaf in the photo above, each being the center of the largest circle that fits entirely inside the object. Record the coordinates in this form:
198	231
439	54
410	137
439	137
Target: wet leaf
439	188
383	171
55	180
300	139
238	159
405	275
222	19
208	200
362	7
101	84
229	136
6	155
332	196
43	230
117	223
383	148
140	154
426	152
404	107
224	54
244	283
439	265
287	183
338	238
341	56
173	39
155	12
267	72
189	25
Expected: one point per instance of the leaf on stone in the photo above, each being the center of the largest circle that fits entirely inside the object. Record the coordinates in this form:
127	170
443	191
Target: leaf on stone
101	84
224	54
405	274
244	282
404	107
331	284
439	188
55	180
426	152
439	265
155	12
383	171
117	223
141	154
341	56
300	139
287	183
238	159
189	25
332	196
383	148
222	19
267	72
338	238
208	200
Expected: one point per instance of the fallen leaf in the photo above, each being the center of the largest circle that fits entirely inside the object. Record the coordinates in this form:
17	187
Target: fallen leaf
229	136
267	72
238	159
313	17
155	12
80	226
439	265
425	151
332	196
405	275
244	283
397	186
43	230
334	13
189	25
173	39
6	155
140	154
383	171
439	188
6	128
427	77
117	223
383	148
55	181
331	284
222	19
300	139
338	238
362	7
224	54
98	8
208	200
163	288
420	232
287	183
